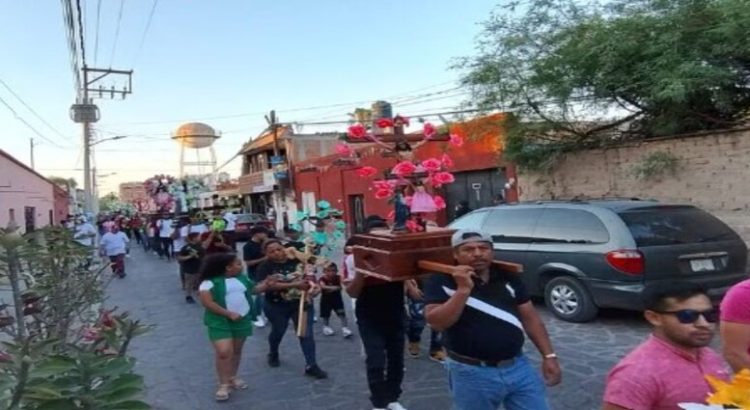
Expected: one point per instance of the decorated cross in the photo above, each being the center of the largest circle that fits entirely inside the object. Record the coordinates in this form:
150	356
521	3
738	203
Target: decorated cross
410	184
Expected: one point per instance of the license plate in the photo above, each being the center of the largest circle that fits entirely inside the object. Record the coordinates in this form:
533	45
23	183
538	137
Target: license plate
702	265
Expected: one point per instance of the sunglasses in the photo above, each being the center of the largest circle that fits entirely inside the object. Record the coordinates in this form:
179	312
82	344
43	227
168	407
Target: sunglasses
687	316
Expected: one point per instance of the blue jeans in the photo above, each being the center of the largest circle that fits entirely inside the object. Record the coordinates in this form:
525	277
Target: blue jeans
415	324
279	315
515	387
258	302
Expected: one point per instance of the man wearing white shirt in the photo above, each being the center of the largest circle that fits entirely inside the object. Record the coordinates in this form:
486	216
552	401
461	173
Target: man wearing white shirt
165	236
114	245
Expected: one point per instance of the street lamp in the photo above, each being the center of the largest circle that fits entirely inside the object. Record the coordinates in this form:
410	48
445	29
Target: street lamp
92	201
115	138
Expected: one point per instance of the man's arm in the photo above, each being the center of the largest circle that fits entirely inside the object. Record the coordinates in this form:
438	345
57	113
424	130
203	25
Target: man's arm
354	287
442	316
534	327
735	340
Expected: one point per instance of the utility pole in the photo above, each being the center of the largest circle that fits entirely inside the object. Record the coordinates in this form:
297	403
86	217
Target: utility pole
31	145
273	124
87	146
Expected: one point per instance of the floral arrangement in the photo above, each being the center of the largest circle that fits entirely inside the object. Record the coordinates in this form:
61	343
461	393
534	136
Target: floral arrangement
732	395
410	184
172	194
329	229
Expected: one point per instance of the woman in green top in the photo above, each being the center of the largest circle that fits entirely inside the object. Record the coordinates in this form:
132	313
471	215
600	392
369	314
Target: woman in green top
226	294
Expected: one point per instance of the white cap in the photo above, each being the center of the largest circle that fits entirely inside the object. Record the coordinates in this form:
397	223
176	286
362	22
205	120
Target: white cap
466	236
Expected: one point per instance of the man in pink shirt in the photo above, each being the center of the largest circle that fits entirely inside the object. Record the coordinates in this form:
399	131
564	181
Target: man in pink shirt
735	326
670	366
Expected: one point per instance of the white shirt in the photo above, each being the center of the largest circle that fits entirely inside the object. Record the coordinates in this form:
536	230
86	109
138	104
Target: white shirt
114	243
165	228
199	229
182	239
235	296
231	220
85	233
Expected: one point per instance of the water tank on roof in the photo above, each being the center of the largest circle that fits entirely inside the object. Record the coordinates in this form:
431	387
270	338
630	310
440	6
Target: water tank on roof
195	135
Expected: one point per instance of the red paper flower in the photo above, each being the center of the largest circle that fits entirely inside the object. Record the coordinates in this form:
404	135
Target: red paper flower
343	149
383	184
439	201
432	165
413	226
407	200
383	193
441	178
404	168
384	123
91	334
366	172
401	120
357	131
446	160
456	140
429	130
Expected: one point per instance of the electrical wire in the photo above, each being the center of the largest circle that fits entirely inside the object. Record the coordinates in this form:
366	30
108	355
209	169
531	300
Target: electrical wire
29	126
145	31
96	34
70	35
36	114
81	32
117	32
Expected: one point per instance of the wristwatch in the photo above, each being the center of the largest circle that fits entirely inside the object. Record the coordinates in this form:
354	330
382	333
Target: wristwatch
550	356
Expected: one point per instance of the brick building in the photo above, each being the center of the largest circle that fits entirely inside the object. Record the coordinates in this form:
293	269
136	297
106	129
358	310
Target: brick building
135	193
480	173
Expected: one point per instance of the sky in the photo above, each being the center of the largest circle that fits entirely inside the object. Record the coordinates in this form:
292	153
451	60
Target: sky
225	63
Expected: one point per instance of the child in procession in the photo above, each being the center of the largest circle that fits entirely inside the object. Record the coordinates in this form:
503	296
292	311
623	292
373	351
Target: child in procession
190	258
331	300
226	294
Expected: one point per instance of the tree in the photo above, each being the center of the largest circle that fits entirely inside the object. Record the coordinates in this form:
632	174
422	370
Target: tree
109	202
580	75
63	183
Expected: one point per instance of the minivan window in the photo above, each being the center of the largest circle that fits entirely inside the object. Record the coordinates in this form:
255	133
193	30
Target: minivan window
570	226
511	225
472	220
671	225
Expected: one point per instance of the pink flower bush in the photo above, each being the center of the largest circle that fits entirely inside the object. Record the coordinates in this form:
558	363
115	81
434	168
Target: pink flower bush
384	123
432	165
441	178
357	131
429	130
343	149
383	184
383	193
366	172
446	160
439	202
91	334
404	168
456	140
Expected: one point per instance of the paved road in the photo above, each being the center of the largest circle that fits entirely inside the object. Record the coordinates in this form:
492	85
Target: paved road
177	361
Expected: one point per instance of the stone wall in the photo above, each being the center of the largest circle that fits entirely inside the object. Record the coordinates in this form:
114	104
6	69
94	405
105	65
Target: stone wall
713	173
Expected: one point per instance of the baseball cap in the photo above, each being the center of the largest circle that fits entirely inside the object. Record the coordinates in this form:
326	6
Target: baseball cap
466	236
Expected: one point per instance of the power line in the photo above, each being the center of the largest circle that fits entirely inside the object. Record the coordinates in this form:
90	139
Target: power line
67	10
81	32
18	97
29	126
117	32
145	31
96	42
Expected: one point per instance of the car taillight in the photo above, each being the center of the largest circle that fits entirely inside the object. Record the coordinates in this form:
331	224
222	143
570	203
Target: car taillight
627	261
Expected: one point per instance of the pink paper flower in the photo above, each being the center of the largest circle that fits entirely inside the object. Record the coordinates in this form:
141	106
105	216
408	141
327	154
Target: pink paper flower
401	120
446	160
413	226
456	140
91	334
366	172
408	200
357	131
383	193
429	130
404	168
432	165
5	357
441	178
343	149
384	123
382	184
439	202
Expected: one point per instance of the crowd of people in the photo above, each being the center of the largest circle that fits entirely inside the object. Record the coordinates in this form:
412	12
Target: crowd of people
479	316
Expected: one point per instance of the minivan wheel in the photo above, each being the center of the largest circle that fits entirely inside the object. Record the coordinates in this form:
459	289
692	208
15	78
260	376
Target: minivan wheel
569	300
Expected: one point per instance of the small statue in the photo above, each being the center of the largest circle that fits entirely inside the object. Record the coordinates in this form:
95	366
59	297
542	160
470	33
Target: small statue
401	211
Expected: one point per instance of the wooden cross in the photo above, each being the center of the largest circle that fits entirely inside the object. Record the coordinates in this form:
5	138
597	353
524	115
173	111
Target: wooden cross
399	136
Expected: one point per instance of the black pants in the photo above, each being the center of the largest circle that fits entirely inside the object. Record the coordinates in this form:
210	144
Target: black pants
137	234
166	247
384	347
331	302
279	314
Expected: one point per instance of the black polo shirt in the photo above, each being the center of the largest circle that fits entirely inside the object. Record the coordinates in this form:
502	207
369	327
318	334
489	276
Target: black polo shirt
477	334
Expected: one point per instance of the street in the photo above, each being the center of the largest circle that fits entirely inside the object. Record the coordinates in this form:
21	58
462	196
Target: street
176	358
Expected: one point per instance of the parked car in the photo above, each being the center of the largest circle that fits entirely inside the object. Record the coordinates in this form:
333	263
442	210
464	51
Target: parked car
245	222
582	256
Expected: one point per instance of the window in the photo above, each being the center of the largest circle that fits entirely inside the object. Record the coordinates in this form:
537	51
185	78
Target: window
512	225
472	220
570	226
671	225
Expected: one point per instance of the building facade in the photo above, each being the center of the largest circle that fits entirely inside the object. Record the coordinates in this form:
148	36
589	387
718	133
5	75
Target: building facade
481	175
27	199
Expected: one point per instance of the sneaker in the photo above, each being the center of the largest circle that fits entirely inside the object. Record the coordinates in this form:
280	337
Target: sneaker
273	360
328	331
413	349
316	372
395	406
189	299
438	356
260	322
346	332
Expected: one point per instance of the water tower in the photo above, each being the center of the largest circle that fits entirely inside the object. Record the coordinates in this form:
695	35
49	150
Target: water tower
196	138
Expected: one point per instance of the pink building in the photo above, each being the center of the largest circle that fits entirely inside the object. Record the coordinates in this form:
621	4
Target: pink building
27	199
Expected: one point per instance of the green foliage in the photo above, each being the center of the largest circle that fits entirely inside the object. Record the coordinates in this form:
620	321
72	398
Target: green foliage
656	164
585	74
